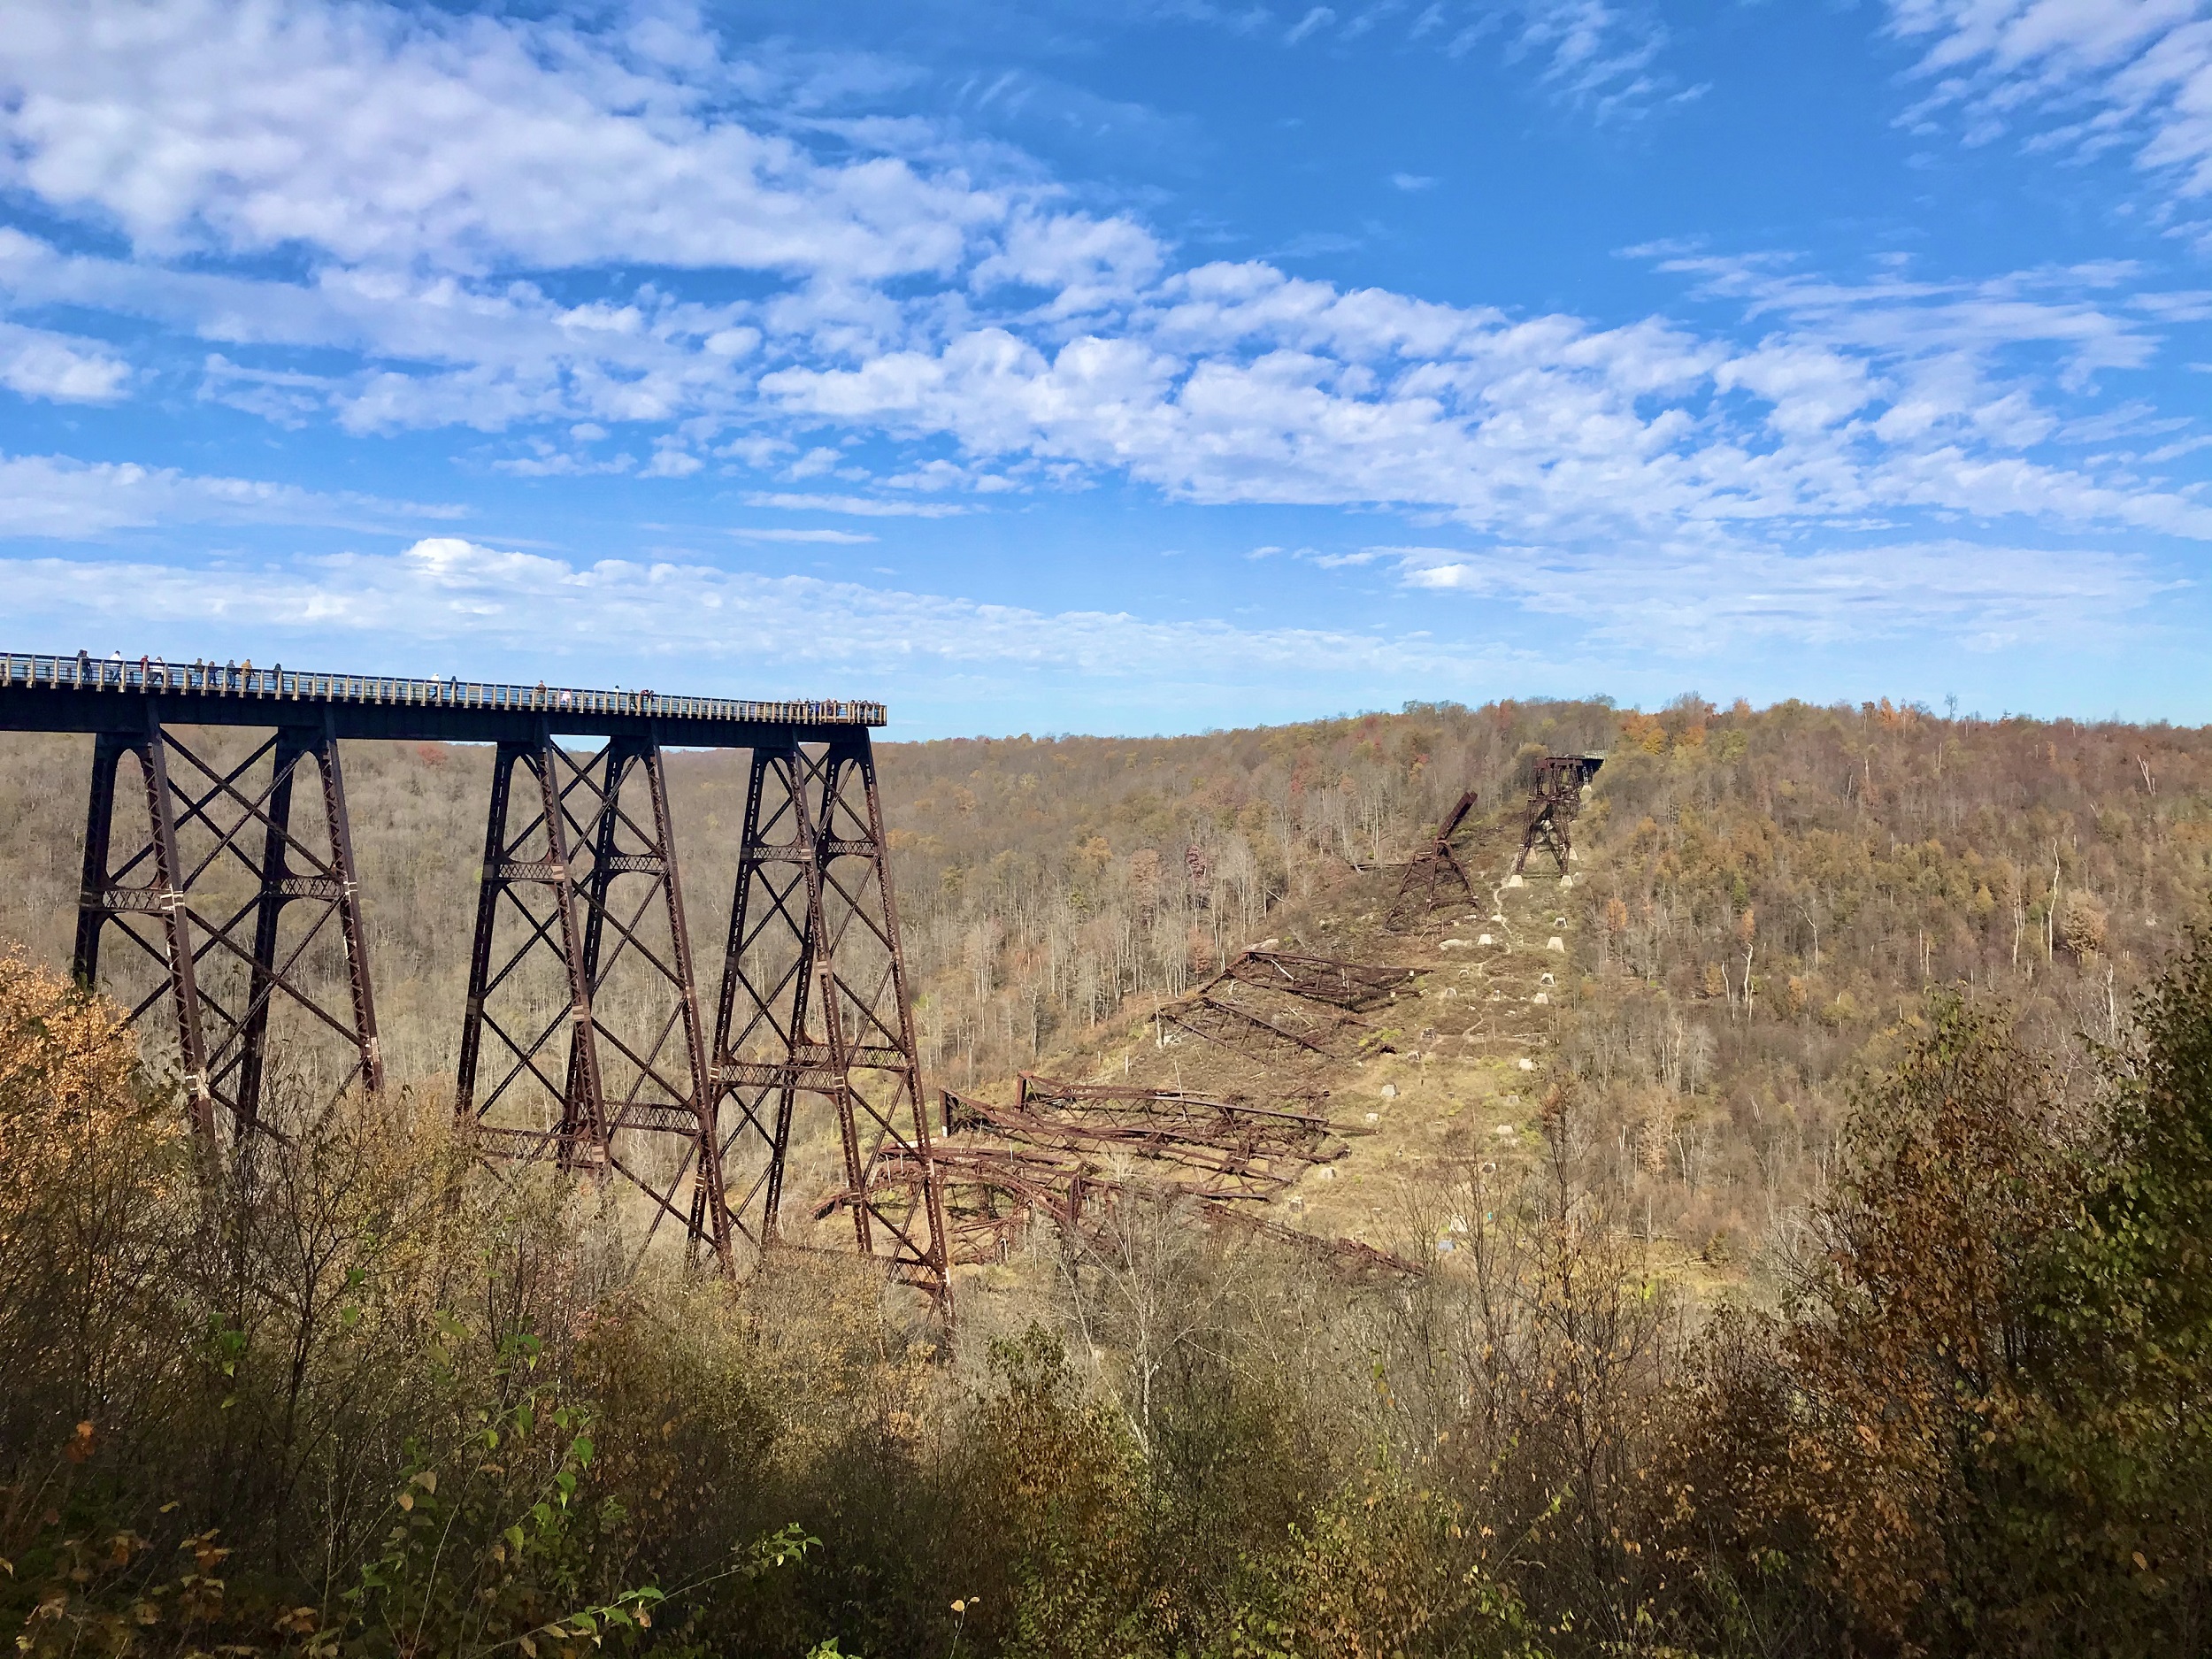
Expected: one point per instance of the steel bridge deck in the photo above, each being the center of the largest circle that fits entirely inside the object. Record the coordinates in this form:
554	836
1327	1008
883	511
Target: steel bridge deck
88	693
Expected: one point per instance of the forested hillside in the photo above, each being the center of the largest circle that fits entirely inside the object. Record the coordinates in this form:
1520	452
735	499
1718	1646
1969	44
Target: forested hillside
1799	1219
1764	891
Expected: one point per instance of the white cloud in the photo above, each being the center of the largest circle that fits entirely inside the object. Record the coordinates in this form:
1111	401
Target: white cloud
454	193
1239	384
55	497
827	538
858	506
1692	600
395	138
449	588
1661	601
2104	75
35	363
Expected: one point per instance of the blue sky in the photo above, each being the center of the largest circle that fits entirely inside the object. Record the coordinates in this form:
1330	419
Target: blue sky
1114	366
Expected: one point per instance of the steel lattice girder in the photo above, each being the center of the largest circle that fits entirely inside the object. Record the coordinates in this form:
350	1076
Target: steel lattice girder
813	1008
585	875
1348	985
1553	804
237	821
1256	1153
1220	1020
991	1193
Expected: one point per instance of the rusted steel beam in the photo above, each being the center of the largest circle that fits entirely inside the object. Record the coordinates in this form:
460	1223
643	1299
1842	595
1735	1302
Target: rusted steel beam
1435	873
1553	804
1347	985
212	831
1260	1155
1035	1090
813	1014
1221	1021
82	692
992	1194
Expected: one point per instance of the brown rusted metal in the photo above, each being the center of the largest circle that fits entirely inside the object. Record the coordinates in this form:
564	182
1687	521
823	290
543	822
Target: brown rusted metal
587	885
1553	804
1435	876
1354	986
813	1010
224	835
580	908
1236	1151
529	883
1220	1020
993	1194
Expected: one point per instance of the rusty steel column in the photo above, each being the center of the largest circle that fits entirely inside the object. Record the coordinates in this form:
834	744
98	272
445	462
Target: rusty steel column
1554	803
611	926
351	924
206	945
708	1220
576	1136
110	896
108	750
167	893
330	881
637	956
813	1004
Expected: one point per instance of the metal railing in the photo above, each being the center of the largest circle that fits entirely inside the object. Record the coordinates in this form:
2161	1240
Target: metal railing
87	672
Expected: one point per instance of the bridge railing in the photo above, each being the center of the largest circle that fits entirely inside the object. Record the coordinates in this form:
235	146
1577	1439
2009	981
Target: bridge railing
86	673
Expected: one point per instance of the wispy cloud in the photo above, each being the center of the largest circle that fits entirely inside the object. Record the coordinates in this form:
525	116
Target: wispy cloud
1693	602
57	497
447	588
857	506
2079	75
827	538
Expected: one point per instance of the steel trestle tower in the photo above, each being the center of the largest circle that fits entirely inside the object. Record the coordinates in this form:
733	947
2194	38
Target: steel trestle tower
814	1062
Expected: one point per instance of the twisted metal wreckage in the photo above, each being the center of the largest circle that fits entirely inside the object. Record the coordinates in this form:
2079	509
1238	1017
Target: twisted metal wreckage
1075	1154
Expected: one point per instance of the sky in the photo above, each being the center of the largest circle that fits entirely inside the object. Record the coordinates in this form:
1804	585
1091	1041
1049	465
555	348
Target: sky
1121	365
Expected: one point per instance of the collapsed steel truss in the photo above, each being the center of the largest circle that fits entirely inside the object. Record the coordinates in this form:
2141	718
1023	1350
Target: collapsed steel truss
1353	985
1553	804
1435	876
581	910
1002	1168
1298	1028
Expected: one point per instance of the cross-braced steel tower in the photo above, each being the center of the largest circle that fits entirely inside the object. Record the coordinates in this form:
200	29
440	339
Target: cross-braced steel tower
582	1039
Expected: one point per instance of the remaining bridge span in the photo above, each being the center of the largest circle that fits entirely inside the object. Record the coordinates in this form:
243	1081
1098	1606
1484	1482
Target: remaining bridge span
252	911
